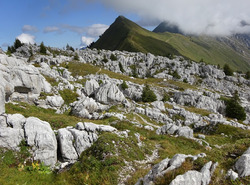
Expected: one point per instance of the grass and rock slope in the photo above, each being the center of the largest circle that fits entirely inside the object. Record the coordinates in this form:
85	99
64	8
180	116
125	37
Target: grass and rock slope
126	35
94	129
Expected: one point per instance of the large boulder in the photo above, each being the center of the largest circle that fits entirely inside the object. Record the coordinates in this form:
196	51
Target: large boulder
83	140
11	137
185	132
193	177
16	121
20	77
90	86
173	129
87	107
242	165
109	93
11	132
55	101
65	143
159	105
165	166
42	139
73	141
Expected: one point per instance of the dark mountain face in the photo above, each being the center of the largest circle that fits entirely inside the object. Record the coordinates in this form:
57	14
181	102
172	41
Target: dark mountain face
126	35
167	27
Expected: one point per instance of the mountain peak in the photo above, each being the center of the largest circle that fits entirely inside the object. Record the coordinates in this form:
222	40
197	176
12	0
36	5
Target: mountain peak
167	27
124	34
120	17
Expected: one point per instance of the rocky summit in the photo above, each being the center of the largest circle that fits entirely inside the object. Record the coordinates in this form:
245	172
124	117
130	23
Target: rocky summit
115	117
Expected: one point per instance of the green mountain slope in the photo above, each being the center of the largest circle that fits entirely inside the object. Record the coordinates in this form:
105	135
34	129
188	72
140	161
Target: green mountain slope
124	34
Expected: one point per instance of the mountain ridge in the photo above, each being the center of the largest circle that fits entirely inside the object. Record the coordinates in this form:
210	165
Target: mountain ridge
126	35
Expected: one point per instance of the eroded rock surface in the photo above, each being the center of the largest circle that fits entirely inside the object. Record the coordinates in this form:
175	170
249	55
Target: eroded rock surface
242	165
37	134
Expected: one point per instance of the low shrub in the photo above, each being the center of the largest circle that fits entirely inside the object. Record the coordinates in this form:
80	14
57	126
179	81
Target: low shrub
148	95
113	57
124	85
227	70
234	109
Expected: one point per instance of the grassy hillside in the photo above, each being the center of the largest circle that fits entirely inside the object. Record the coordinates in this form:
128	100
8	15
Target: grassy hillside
124	34
209	49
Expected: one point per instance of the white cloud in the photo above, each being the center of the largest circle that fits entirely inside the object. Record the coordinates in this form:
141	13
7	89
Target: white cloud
29	28
221	17
76	29
26	38
96	30
87	40
51	29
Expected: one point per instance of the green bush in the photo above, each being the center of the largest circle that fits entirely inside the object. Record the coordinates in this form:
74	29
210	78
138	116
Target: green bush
42	49
76	57
247	75
113	57
148	95
8	51
134	71
234	109
166	97
124	85
148	74
121	67
185	80
105	59
176	75
17	43
12	49
227	70
68	47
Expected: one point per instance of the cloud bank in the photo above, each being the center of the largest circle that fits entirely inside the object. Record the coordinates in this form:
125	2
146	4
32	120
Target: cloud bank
26	38
85	41
216	17
29	28
94	30
49	29
88	34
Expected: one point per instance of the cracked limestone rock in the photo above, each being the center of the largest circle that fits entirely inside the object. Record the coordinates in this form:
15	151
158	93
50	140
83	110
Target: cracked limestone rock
242	165
90	86
42	139
55	101
73	141
109	93
193	177
36	133
165	166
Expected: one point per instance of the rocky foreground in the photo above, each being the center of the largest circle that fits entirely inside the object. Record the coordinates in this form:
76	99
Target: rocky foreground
101	93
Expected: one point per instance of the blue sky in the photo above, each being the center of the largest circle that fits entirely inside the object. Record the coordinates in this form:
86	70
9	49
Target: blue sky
79	22
55	22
